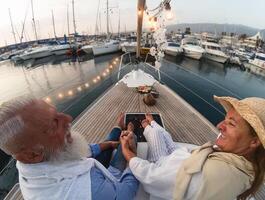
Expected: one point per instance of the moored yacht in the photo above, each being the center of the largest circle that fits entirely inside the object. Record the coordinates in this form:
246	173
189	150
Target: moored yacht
258	61
214	52
106	47
192	48
173	49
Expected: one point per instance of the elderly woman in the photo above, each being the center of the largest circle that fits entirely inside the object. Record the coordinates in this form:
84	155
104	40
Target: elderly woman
231	168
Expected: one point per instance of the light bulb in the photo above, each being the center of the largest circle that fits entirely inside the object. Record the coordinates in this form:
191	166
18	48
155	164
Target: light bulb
70	93
60	95
79	89
48	100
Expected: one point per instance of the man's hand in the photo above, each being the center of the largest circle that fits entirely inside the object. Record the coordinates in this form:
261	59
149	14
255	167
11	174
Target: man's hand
128	149
108	144
114	144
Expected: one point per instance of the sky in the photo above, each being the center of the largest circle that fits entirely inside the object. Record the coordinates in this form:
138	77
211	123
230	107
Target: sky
250	13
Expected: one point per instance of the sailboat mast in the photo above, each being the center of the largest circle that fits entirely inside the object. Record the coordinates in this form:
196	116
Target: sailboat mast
97	19
33	20
54	32
119	25
23	27
108	33
14	35
73	6
68	27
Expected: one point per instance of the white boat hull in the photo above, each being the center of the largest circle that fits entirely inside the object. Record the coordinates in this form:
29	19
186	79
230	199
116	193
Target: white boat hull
105	49
257	63
193	54
87	49
255	69
216	58
60	50
36	55
172	52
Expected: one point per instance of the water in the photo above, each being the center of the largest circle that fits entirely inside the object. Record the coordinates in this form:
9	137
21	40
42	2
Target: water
72	86
197	82
69	85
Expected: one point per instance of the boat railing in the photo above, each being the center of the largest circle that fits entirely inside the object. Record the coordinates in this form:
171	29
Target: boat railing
128	60
159	75
121	66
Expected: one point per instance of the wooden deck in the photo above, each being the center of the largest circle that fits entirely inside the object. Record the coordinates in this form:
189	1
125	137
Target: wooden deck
181	120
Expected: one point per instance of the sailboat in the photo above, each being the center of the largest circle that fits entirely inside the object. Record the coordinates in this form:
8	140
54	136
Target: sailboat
108	46
171	108
59	49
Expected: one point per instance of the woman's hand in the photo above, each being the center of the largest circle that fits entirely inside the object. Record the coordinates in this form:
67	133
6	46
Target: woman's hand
149	117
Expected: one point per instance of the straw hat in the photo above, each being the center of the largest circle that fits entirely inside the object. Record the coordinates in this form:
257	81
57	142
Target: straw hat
251	109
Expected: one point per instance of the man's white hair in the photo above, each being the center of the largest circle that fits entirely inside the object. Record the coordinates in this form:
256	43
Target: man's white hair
11	123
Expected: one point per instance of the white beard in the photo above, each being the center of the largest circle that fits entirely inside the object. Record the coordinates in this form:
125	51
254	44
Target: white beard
71	151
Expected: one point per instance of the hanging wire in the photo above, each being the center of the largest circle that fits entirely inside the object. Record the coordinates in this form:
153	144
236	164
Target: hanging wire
156	11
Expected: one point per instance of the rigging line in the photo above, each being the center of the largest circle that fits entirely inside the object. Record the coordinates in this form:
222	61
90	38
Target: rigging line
216	84
194	93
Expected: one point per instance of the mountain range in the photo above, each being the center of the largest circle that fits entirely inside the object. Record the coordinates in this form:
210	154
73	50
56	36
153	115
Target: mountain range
216	28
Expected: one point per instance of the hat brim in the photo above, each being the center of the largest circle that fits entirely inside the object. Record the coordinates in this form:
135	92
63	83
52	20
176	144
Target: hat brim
246	112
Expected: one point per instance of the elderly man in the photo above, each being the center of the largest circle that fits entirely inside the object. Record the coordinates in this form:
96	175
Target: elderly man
231	169
52	161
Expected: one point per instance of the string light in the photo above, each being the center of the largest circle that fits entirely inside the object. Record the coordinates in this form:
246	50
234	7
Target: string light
165	4
60	95
86	85
79	88
48	100
70	93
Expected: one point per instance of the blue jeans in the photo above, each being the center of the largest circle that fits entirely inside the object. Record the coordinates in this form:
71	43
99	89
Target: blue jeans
118	160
